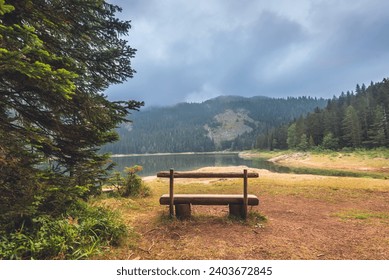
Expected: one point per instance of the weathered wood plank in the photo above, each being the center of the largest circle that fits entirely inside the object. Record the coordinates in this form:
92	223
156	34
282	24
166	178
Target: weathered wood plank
245	194
209	199
166	174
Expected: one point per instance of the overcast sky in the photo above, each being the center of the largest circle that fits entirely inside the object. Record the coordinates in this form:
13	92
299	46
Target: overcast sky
193	50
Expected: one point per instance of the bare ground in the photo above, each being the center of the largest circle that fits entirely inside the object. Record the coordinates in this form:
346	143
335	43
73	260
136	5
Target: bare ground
330	225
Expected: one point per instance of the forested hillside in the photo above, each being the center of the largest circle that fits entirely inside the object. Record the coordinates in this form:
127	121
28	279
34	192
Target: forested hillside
225	122
354	119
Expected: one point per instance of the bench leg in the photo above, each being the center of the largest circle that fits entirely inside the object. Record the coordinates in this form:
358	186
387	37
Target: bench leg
183	211
236	210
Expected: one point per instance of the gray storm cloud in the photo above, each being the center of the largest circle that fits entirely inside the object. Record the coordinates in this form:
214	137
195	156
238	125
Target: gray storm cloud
194	50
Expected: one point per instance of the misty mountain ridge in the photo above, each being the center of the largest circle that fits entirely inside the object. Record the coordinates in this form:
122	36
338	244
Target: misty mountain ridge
220	123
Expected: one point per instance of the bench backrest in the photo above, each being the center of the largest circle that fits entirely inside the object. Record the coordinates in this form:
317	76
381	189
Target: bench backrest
166	174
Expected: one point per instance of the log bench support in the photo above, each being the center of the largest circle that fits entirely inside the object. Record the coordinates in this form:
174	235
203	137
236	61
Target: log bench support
183	211
182	202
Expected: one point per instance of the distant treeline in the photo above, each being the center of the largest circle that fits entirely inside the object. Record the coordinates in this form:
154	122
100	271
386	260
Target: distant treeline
357	119
180	128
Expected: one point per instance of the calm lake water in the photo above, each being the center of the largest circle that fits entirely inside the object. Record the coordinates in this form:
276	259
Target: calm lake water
184	162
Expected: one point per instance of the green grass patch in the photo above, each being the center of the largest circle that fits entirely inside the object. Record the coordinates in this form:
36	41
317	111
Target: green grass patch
355	214
337	173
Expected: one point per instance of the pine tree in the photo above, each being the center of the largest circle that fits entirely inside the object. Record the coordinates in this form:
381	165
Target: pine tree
377	132
303	143
330	142
292	139
351	128
56	60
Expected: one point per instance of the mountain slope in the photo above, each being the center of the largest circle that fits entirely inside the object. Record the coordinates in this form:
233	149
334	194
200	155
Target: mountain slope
225	122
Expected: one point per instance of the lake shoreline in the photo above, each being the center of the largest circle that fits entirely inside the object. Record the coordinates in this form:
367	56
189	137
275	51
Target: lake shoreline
373	163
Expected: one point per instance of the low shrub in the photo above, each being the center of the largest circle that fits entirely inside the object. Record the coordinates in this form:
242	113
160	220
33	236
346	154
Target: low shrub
78	235
131	184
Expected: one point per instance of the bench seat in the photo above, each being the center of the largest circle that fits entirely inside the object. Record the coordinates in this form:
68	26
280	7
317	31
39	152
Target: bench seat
208	199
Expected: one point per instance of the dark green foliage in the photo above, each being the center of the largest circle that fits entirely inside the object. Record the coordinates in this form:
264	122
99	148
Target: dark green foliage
57	58
351	120
116	180
330	142
303	143
293	138
77	234
377	132
351	128
133	186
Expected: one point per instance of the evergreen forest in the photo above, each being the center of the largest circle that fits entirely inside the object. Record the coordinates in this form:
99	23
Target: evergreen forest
355	119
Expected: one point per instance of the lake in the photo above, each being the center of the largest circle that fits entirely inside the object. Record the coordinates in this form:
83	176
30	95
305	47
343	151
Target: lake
185	162
153	163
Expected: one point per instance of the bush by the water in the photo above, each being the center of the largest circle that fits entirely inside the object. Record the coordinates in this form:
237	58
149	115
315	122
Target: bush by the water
131	184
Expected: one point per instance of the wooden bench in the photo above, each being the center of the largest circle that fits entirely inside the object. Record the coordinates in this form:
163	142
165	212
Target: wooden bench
237	203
